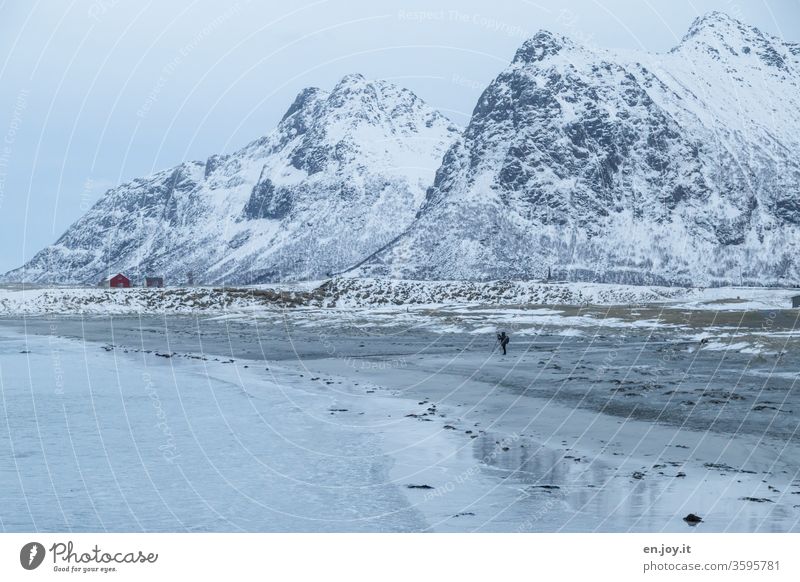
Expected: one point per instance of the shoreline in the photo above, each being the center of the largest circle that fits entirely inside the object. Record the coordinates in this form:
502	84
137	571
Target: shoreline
571	467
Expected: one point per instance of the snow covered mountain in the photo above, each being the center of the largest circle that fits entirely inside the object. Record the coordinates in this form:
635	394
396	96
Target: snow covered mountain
622	167
342	174
669	169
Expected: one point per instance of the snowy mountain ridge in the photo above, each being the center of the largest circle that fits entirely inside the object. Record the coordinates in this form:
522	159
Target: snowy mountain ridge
670	169
578	163
310	198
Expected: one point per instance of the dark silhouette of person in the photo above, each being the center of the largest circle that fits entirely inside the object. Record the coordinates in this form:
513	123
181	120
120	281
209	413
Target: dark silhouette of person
503	339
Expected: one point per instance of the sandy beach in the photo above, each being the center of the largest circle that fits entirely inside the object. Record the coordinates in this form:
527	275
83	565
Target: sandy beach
399	419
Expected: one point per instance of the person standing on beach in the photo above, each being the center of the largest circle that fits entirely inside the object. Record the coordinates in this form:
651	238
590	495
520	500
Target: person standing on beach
503	338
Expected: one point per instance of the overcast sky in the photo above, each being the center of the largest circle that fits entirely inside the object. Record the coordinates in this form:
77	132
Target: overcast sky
96	92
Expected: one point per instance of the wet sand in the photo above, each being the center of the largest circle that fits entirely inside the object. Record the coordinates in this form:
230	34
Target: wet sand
623	427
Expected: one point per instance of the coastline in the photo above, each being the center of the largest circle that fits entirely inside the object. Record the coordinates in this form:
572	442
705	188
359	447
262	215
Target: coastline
507	447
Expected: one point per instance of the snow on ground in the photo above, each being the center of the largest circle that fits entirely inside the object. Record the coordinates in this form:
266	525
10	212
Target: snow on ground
383	297
106	301
344	292
741	299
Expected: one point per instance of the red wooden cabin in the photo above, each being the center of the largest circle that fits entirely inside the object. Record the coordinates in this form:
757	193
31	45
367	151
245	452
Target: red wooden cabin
119	280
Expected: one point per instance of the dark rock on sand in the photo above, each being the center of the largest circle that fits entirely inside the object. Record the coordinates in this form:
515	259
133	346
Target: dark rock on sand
692	519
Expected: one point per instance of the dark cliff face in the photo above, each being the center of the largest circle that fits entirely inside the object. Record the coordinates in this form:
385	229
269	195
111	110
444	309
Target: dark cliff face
266	202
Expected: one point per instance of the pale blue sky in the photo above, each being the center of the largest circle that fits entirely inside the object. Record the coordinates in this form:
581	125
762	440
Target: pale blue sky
96	92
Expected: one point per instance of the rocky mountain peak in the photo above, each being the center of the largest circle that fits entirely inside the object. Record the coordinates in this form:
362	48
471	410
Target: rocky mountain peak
722	36
621	167
714	21
354	90
341	175
351	81
303	112
304	98
540	46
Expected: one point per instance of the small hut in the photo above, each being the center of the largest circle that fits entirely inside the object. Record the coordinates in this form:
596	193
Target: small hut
154	281
119	281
